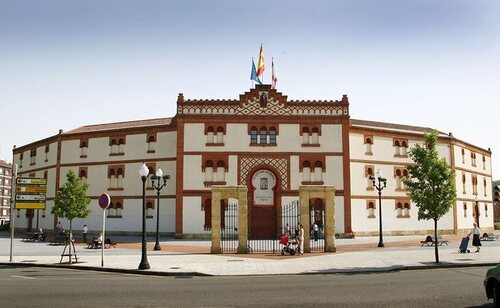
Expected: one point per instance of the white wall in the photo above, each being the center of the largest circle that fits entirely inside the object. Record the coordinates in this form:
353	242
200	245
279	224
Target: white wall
193	218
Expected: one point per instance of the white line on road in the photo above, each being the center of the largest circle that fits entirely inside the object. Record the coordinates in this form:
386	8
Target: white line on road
23	277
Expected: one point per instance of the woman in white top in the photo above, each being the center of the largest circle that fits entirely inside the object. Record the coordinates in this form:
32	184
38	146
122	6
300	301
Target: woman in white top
476	233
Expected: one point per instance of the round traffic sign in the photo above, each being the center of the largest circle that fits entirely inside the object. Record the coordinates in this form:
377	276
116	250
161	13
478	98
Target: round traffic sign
104	201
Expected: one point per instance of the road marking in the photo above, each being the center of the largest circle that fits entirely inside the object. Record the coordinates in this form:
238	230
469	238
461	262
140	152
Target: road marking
23	277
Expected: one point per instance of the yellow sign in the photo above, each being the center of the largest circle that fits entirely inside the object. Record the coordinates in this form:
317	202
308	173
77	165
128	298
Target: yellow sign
32	189
31	181
30	193
30	205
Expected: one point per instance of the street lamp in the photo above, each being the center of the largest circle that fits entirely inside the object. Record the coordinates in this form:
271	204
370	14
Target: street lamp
382	183
143	172
158	177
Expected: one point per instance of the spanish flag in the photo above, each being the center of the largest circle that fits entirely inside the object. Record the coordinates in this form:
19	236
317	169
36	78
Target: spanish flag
260	66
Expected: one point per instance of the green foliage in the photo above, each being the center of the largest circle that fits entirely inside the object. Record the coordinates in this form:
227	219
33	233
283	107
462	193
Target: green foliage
431	185
71	199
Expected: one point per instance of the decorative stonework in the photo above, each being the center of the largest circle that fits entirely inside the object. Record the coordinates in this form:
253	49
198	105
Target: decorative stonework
247	164
262	100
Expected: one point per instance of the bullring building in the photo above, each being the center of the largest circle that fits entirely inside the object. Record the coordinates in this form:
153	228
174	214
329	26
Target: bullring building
264	141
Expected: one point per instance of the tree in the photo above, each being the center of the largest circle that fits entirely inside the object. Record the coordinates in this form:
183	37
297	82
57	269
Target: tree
71	202
431	184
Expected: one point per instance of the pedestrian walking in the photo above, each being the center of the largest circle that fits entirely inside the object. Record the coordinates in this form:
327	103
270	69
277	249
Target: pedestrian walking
59	227
301	239
84	233
476	233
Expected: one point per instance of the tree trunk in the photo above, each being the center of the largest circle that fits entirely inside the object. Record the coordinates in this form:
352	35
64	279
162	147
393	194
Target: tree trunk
70	239
436	240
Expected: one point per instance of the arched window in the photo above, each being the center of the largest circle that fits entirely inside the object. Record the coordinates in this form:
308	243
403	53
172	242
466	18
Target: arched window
112	178
119	180
220	134
306	171
370	206
272	135
406	209
209	171
253	135
263	135
404	146
399	209
221	171
210	134
318	171
315	135
305	135
368	145
397	148
150	209
114	146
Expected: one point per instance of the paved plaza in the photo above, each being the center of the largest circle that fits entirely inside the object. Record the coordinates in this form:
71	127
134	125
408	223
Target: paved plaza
192	257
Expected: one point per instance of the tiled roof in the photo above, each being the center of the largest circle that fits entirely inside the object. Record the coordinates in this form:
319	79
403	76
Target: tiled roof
393	126
119	125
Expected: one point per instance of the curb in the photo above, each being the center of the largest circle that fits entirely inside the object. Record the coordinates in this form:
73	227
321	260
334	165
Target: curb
389	269
106	269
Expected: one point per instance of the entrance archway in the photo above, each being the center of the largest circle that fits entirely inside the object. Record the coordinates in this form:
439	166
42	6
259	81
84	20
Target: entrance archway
326	193
263	222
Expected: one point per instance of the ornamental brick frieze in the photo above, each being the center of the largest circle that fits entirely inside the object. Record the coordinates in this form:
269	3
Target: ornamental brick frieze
280	164
262	100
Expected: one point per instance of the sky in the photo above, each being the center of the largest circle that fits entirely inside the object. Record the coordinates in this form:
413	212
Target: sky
431	63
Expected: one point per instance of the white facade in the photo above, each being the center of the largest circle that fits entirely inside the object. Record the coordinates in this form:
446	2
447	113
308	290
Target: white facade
226	142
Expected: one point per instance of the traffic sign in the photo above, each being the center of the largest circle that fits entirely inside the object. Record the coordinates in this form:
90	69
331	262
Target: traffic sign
31	193
104	201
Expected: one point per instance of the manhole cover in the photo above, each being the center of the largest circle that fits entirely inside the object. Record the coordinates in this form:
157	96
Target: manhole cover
174	267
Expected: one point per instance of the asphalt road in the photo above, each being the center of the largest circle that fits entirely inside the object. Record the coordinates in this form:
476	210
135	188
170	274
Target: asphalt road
46	287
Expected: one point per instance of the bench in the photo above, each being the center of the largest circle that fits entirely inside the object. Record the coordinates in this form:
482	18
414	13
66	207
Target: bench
32	237
489	237
59	240
427	242
431	241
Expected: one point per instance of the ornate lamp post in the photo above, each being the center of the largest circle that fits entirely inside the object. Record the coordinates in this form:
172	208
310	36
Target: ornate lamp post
382	183
158	187
143	172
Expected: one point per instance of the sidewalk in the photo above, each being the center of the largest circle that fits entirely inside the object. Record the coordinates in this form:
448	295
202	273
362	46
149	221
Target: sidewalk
184	257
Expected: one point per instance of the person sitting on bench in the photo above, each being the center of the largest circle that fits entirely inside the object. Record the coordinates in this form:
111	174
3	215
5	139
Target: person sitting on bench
97	241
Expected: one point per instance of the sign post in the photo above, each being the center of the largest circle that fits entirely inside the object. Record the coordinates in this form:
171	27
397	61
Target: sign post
104	201
12	206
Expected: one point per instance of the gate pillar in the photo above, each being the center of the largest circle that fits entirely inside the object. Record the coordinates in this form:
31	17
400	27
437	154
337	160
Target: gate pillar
327	193
242	219
225	192
216	220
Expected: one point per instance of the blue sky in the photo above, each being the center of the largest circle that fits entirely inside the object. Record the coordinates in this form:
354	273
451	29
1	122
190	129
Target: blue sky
64	64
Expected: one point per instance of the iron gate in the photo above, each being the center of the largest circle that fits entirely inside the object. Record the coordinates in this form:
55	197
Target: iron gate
317	238
229	228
